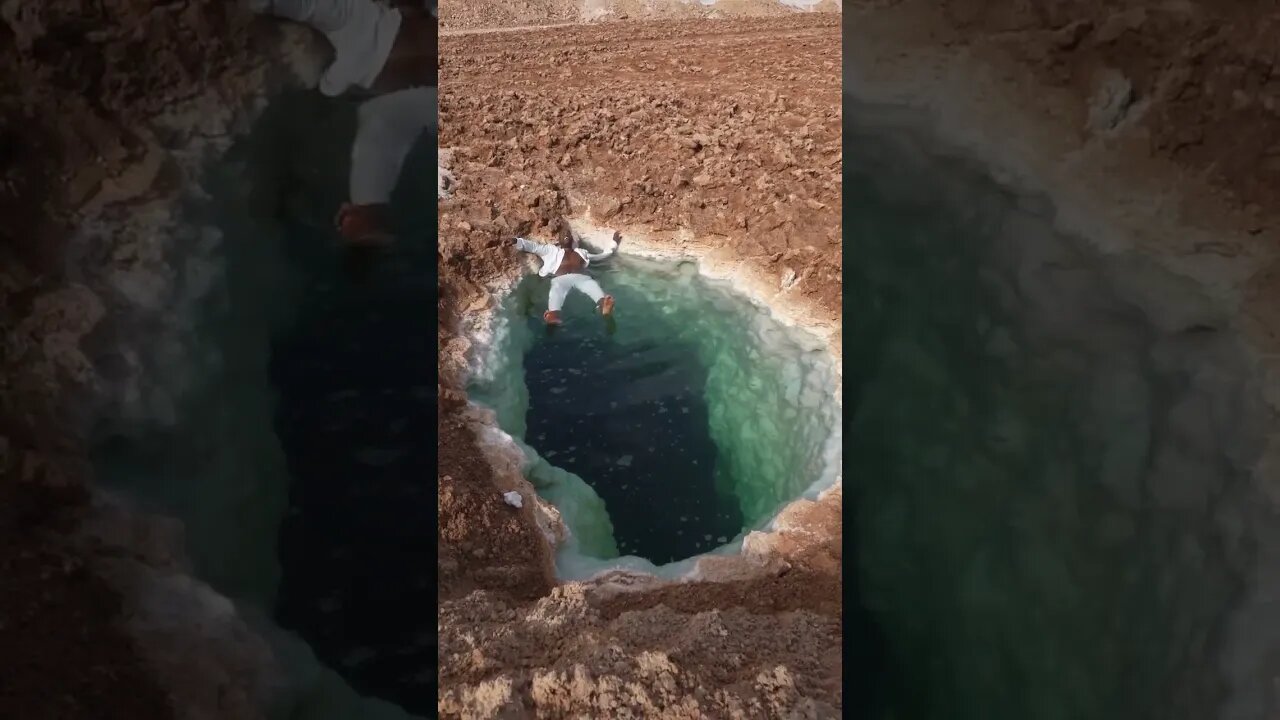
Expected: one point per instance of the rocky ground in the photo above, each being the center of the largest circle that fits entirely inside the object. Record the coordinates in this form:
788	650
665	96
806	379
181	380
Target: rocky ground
654	127
102	106
1165	117
1193	82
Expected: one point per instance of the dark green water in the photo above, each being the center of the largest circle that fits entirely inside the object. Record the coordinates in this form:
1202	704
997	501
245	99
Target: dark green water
1010	453
667	431
620	403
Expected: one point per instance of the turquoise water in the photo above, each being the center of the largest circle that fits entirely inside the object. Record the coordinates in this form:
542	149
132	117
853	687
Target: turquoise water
299	459
1009	453
670	429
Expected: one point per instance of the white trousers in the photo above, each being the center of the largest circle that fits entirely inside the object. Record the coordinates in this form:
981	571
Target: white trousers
562	284
386	129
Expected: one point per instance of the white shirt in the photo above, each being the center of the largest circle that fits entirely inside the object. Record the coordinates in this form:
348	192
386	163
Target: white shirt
362	33
361	47
553	255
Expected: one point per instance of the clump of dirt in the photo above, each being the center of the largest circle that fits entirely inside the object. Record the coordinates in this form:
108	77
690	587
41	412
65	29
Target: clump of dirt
660	126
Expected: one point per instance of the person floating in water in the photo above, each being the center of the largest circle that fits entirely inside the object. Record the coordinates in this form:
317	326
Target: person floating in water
388	54
566	264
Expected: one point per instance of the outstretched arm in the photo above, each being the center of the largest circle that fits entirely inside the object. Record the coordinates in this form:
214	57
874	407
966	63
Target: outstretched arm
530	246
617	241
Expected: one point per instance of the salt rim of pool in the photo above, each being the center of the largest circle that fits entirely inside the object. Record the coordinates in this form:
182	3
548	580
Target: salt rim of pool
511	458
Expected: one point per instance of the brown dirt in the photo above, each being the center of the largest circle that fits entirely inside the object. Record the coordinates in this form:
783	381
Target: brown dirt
1205	72
1187	159
483	543
60	657
1205	76
661	126
456	15
82	85
459	14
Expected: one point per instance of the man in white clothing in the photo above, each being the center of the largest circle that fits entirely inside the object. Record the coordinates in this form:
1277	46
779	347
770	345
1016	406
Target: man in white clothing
387	52
566	264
